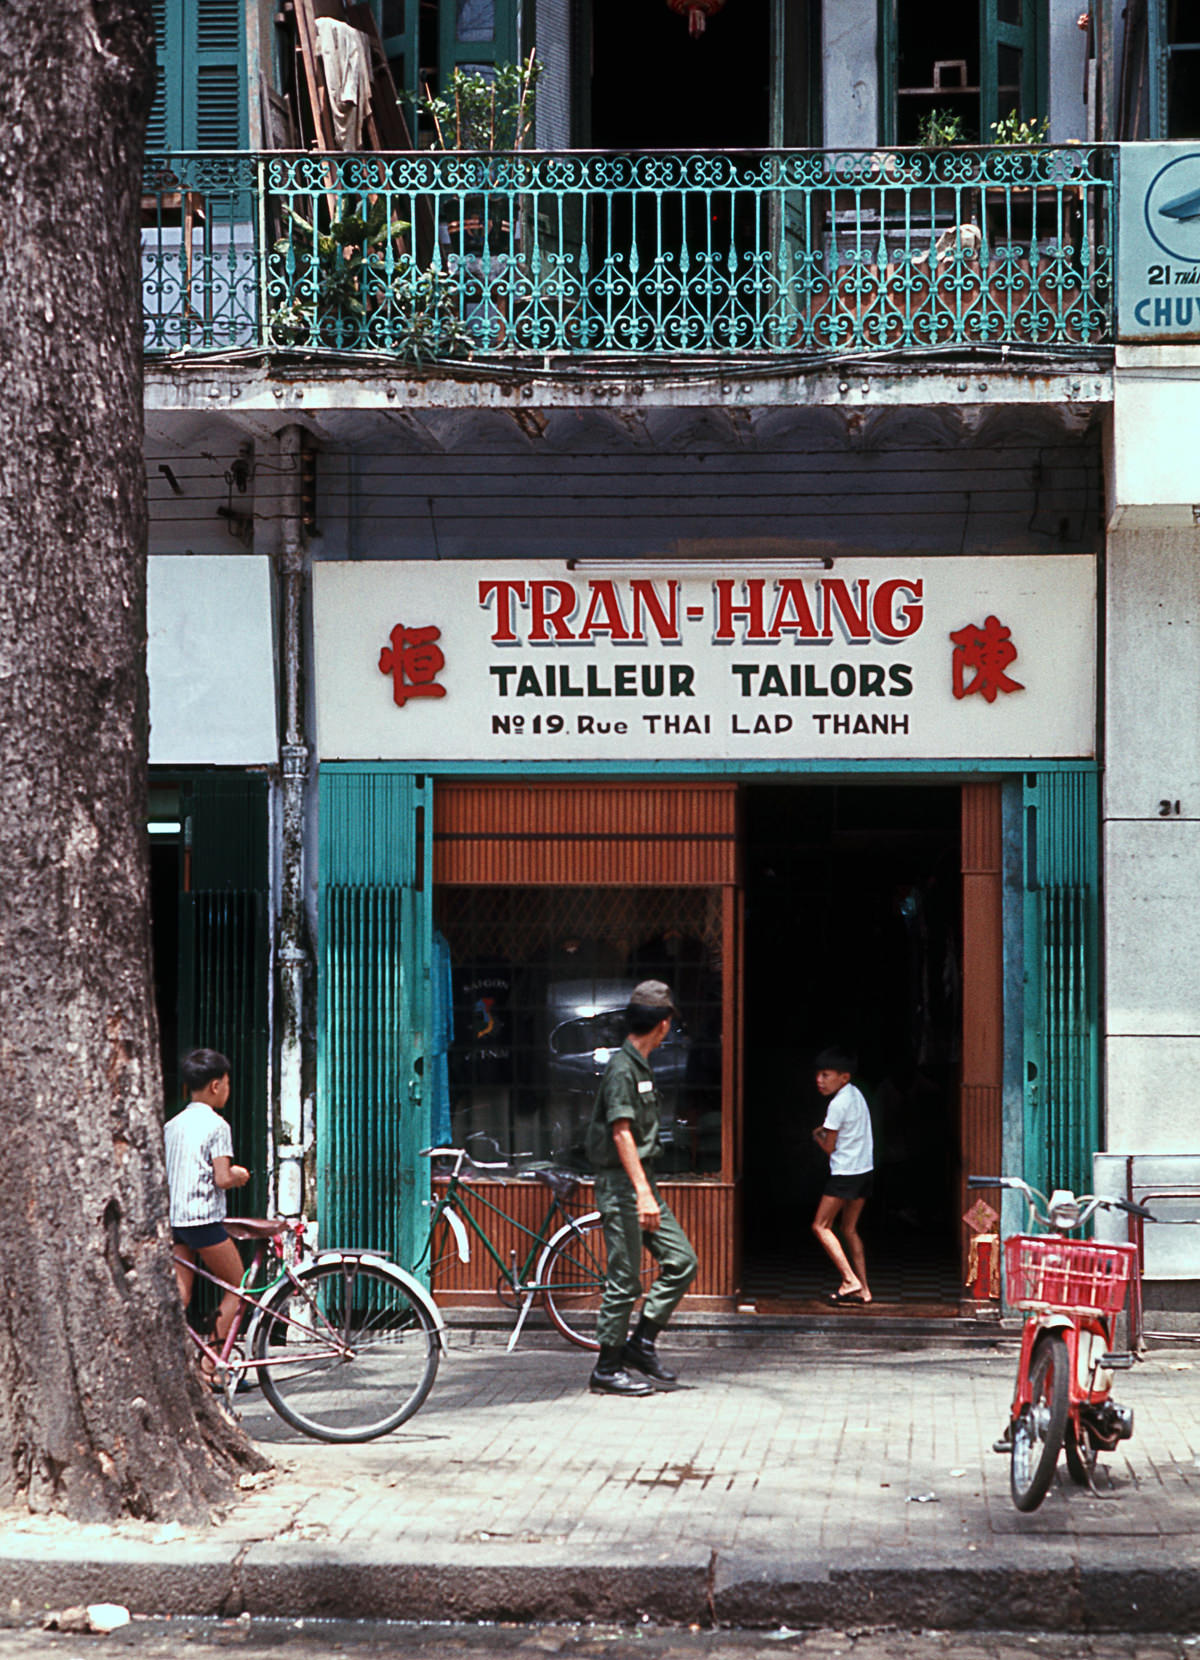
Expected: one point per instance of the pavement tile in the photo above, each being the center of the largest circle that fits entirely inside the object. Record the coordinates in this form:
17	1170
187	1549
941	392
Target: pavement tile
775	1463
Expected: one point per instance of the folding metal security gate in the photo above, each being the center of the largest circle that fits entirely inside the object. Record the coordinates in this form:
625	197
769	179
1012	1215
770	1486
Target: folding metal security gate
225	951
373	1066
1061	942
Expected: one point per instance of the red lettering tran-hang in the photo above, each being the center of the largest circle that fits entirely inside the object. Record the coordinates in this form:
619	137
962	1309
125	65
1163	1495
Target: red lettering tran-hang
984	653
414	661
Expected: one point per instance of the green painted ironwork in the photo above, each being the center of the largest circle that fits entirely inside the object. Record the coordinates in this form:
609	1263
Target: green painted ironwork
802	253
225	953
373	1107
1062	1064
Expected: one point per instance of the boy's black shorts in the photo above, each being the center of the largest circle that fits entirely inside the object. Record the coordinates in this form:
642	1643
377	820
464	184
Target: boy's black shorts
860	1186
200	1236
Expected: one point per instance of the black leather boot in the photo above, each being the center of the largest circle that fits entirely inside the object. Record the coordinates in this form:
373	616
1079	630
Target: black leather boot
610	1378
640	1354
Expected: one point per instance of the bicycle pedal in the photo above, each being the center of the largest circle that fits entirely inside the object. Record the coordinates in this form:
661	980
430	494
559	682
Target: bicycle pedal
1117	1363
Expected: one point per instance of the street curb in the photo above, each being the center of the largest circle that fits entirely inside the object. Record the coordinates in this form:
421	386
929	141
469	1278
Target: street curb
1067	1594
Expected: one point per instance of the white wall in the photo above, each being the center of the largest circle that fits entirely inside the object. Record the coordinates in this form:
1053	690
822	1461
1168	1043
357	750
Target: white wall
850	74
211	661
1068	63
1156	415
1151	861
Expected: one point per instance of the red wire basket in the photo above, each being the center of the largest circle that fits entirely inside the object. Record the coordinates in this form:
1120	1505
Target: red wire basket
1070	1276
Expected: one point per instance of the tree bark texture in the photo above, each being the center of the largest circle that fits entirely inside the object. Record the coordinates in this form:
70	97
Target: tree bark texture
100	1414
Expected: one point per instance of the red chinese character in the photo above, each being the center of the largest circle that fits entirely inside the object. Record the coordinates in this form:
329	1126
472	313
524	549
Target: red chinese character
413	663
987	651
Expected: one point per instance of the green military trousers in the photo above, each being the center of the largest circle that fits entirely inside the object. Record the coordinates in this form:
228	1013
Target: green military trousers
623	1238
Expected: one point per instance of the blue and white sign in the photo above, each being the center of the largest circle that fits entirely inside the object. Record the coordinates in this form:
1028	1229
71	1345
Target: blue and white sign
1158	272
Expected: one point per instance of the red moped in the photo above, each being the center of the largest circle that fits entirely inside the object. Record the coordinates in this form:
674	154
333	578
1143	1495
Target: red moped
1071	1291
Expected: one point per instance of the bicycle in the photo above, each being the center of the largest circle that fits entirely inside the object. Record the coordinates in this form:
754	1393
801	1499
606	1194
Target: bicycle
1071	1291
570	1259
345	1345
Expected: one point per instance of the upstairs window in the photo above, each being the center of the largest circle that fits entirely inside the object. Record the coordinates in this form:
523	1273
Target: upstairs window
1175	54
950	70
200	95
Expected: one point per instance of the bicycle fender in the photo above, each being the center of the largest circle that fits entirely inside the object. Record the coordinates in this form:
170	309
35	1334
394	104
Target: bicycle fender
409	1281
459	1229
567	1231
375	1260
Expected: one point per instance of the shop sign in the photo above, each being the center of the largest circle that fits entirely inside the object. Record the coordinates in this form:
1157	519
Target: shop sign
875	659
1158	277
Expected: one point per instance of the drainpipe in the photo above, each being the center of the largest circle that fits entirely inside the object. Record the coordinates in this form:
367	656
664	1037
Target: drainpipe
292	955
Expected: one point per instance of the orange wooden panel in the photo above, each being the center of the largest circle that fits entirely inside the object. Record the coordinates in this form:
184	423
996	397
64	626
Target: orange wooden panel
705	1211
981	1093
673	835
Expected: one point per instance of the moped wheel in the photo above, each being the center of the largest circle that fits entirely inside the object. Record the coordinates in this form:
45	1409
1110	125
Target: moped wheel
1038	1433
1081	1456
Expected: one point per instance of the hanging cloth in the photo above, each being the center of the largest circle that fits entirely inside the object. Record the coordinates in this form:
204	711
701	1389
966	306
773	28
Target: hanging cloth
347	60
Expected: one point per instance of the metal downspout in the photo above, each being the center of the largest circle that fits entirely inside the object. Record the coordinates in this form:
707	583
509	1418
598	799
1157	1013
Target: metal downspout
292	956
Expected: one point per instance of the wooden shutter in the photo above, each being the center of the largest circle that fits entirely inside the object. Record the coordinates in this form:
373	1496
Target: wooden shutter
625	835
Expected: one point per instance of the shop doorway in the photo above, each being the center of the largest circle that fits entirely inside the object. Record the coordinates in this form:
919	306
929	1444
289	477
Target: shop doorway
853	935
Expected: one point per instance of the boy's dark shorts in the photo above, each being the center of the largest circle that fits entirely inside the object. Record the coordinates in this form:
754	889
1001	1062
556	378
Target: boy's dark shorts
202	1235
860	1186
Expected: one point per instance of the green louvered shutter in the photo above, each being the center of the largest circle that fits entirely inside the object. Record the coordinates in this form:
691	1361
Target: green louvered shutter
224	952
168	72
1062	1107
200	100
216	69
373	1106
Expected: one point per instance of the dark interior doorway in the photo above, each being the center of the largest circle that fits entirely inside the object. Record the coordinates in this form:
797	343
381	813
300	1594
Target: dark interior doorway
853	899
655	86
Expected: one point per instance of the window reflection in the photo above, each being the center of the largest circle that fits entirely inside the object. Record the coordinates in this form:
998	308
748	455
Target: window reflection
540	978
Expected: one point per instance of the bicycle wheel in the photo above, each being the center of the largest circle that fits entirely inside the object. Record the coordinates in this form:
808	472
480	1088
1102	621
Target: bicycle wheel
571	1277
1038	1432
347	1353
1081	1456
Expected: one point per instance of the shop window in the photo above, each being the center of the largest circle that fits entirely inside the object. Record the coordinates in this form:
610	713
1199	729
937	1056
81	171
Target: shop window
1175	52
540	976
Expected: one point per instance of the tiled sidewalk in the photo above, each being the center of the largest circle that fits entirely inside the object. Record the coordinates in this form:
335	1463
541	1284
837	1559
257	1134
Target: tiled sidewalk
778	1482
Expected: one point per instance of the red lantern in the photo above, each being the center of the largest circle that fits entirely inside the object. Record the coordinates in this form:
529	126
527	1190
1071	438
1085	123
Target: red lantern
698	12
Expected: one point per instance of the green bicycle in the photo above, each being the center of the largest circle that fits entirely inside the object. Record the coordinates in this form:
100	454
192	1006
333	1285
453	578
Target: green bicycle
564	1258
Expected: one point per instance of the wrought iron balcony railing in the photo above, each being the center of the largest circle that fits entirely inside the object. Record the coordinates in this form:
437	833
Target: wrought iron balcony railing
432	256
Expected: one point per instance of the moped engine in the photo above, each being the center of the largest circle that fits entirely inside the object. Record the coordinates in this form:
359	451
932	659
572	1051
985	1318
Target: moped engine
1108	1423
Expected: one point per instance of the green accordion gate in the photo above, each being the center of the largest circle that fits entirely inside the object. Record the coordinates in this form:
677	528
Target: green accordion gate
374	1009
1062	1062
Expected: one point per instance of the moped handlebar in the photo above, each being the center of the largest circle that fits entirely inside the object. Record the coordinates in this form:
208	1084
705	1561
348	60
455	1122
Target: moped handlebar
1055	1212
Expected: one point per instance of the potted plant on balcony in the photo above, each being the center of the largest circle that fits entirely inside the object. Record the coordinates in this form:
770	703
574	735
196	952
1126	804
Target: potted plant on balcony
479	220
1032	229
354	287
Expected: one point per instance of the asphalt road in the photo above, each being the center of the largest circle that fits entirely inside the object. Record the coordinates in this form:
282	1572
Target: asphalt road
180	1639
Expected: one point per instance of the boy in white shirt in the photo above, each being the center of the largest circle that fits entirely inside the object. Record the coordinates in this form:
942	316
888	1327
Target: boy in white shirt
846	1137
200	1170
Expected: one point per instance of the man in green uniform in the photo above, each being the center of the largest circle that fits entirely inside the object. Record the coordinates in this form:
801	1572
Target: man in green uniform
622	1144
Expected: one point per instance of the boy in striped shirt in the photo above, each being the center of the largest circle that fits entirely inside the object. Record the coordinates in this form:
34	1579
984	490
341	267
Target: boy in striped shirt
200	1169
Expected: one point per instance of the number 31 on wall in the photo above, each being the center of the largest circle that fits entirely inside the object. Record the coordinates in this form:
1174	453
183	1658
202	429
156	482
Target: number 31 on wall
1168	809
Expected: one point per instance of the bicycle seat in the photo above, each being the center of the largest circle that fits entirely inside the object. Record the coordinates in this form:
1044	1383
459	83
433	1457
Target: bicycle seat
562	1183
253	1227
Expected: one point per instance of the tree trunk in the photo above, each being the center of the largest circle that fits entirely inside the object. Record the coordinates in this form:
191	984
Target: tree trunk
100	1414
